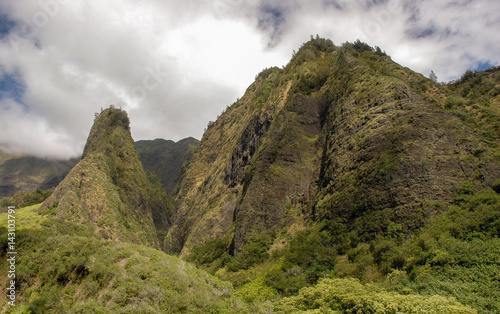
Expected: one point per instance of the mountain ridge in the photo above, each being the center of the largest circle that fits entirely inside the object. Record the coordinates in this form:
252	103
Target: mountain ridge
22	175
360	112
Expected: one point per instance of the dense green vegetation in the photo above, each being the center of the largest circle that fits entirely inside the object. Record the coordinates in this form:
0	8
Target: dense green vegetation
453	261
457	255
63	267
350	296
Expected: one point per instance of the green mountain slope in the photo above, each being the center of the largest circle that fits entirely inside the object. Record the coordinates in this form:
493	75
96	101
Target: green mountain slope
65	267
340	133
341	183
20	173
347	164
392	146
109	190
165	159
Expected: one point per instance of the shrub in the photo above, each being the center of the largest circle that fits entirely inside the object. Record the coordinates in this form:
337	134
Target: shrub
286	282
350	296
360	46
213	254
255	251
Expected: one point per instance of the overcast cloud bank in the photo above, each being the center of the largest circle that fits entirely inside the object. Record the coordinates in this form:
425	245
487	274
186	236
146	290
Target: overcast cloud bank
176	65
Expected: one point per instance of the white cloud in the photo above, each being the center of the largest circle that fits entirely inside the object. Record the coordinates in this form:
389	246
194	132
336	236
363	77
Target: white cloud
32	134
175	65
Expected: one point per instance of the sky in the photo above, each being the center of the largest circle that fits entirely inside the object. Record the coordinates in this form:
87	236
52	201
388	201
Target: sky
175	65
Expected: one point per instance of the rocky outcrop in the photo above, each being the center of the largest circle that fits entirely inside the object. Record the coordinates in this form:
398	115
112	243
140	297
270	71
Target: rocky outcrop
386	157
283	176
109	190
249	143
213	180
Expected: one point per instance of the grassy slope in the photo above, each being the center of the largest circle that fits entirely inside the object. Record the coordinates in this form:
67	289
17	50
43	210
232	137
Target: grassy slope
65	267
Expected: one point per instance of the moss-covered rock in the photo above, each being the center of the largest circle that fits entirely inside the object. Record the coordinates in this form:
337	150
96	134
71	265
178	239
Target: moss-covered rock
339	133
109	190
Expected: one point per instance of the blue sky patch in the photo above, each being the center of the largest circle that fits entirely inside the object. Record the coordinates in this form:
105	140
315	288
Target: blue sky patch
484	66
12	86
6	25
271	17
418	33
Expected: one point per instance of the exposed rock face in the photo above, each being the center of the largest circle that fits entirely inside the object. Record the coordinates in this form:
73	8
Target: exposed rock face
284	173
213	180
109	189
235	170
386	156
340	133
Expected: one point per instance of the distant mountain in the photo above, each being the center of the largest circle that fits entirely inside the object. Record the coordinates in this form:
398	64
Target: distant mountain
165	158
21	173
109	190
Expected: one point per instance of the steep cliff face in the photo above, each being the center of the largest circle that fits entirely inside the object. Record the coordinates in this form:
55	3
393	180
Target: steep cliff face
341	133
280	185
211	185
109	190
391	147
249	142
